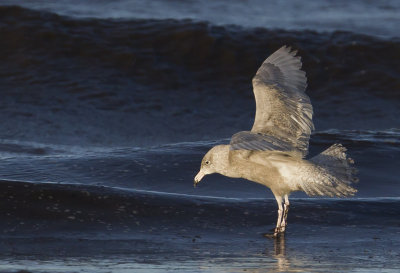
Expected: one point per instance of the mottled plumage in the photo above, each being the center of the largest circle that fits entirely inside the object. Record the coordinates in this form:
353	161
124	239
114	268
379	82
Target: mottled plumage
283	111
273	152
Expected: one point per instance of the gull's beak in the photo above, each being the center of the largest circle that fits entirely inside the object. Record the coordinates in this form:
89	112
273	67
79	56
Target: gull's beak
198	178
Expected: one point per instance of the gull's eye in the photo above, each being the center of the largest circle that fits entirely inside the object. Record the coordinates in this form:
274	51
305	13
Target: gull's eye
208	162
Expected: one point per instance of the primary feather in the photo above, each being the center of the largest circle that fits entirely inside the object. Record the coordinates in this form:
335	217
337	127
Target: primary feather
283	119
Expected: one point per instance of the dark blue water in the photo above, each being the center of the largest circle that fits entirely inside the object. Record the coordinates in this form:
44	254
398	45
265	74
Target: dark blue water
378	18
107	109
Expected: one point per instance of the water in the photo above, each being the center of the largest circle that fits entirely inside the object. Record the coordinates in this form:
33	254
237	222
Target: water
107	110
362	16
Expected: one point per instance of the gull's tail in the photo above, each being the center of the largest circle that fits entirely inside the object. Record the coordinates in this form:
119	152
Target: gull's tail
330	173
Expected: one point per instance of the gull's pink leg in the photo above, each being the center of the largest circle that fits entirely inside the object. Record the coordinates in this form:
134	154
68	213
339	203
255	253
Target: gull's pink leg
280	214
285	213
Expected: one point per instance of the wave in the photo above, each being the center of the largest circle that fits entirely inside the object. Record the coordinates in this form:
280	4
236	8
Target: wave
177	52
170	168
389	138
376	19
104	97
84	204
145	79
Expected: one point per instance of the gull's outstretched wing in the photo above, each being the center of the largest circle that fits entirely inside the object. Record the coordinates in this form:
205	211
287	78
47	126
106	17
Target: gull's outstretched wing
283	111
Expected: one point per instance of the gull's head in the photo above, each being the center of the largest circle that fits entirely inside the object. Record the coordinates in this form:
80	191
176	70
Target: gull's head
213	161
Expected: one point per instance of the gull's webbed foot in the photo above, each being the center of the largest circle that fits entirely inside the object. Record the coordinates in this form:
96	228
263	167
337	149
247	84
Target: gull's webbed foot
278	230
270	235
274	235
275	232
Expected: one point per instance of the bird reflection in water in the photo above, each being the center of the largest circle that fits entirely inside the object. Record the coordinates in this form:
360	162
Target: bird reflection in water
280	253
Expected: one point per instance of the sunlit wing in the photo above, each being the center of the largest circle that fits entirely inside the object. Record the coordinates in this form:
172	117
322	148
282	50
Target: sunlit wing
283	118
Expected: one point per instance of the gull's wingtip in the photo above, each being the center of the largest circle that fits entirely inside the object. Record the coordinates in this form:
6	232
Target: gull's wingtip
288	49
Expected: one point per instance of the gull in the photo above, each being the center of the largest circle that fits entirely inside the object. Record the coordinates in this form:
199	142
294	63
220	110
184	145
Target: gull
273	152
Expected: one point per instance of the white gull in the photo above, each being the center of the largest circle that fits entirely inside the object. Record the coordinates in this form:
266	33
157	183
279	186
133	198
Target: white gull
273	152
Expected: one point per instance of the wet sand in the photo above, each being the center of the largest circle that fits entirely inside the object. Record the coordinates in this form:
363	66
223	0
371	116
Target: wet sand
303	249
199	235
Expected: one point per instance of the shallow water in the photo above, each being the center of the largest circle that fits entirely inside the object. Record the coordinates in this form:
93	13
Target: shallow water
100	230
107	111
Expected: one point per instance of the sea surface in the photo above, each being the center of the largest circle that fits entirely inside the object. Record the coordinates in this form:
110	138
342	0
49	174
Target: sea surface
107	108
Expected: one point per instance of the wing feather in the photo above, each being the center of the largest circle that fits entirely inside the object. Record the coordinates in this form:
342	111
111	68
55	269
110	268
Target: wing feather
283	110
